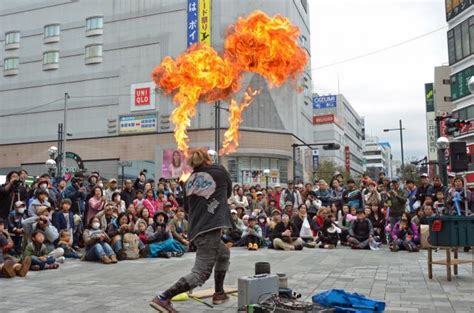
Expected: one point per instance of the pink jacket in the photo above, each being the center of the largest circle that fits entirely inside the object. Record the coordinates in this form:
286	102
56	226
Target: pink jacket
150	204
396	231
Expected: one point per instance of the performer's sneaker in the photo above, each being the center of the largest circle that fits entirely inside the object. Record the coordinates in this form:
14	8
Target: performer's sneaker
219	298
163	306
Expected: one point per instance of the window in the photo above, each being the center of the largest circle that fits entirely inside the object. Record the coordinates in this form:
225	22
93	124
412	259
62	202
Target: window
93	51
12	37
50	57
96	22
465	39
10	64
51	30
461	41
446	82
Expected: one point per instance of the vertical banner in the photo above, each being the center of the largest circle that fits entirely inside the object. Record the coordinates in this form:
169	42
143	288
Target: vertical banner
431	123
193	23
315	160
347	154
205	21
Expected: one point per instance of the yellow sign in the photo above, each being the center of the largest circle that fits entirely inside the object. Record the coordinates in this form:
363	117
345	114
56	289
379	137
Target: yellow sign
205	21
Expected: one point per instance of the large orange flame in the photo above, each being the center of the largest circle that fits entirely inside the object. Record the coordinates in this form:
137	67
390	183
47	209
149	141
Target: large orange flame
257	43
231	136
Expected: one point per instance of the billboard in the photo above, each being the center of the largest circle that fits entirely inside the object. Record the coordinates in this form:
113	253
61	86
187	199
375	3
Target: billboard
456	7
136	124
324	102
459	88
192	22
205	21
324	119
174	163
142	97
429	97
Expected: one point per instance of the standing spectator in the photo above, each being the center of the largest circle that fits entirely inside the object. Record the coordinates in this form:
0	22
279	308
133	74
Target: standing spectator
398	199
312	204
291	195
353	196
96	203
76	192
128	193
160	201
324	194
118	202
92	181
422	190
112	189
239	199
439	206
457	198
337	191
44	183
61	186
259	205
413	203
437	187
381	178
277	196
308	188
138	202
361	232
140	181
373	196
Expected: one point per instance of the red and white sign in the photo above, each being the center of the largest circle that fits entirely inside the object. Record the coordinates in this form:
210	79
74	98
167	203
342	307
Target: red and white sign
324	119
347	153
142	97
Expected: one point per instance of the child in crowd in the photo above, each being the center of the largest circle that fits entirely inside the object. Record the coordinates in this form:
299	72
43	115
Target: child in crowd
439	206
141	231
361	232
64	219
138	202
252	236
404	235
36	249
65	242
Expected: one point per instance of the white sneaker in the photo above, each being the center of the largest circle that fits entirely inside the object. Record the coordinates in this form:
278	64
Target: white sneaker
60	260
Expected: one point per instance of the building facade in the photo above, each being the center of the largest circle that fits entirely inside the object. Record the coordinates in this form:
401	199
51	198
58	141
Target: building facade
336	121
101	53
460	18
377	157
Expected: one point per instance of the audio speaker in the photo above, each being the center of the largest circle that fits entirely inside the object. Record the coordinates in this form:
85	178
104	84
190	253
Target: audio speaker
458	157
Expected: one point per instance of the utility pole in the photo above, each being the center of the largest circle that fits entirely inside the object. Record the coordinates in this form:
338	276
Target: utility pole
63	152
401	143
217	129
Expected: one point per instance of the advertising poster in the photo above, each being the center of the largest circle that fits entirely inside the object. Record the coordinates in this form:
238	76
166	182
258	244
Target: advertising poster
174	164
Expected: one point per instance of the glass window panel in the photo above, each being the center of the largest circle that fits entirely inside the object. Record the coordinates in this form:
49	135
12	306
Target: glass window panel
451	47
265	163
13	37
94	23
244	163
458	42
51	31
470	112
51	57
471	34
465	39
10	63
93	51
254	164
273	164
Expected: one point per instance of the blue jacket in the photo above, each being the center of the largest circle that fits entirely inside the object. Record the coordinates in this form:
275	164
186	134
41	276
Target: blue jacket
59	221
77	198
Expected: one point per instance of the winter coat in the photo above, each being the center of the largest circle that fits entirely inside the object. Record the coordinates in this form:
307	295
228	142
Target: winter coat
398	202
397	233
157	233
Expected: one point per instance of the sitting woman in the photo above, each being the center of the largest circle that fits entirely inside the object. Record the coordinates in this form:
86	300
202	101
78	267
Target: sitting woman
285	235
329	234
144	215
125	242
405	235
97	244
377	219
179	228
160	240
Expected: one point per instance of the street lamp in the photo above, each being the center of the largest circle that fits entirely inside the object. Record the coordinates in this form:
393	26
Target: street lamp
266	172
52	152
442	144
51	166
401	129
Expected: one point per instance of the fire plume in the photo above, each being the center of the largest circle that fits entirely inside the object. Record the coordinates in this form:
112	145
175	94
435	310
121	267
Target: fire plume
267	46
231	136
258	43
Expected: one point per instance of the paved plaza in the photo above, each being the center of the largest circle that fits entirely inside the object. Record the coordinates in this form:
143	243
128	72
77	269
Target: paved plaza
400	279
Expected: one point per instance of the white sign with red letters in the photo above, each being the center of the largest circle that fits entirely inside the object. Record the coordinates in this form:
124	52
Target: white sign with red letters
142	97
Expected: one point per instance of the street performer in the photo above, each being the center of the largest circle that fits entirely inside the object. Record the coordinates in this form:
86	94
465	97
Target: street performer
206	194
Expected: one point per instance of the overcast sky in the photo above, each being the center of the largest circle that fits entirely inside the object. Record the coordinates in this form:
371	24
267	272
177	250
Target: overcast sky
387	86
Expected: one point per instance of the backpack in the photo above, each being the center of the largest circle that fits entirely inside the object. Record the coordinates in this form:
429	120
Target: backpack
130	245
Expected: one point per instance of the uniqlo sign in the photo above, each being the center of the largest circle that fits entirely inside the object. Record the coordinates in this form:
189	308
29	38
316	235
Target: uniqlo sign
142	97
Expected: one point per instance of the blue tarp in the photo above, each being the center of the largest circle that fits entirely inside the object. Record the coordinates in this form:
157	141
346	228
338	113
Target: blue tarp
343	301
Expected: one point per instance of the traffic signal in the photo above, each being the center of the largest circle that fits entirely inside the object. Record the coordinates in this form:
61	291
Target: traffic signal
454	125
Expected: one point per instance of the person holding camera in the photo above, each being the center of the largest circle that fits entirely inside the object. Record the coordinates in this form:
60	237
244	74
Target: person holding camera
77	193
12	191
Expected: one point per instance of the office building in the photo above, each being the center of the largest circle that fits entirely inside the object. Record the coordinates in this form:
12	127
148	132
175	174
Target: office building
101	53
377	157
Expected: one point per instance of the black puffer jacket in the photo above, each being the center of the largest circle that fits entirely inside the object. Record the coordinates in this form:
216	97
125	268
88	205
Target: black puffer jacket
205	202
